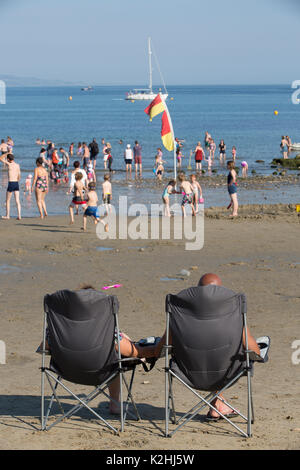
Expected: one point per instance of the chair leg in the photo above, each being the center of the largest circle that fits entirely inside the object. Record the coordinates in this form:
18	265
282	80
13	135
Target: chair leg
130	398
42	400
171	398
250	416
121	401
167	402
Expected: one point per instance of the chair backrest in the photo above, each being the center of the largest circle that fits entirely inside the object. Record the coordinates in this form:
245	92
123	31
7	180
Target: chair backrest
81	327
206	325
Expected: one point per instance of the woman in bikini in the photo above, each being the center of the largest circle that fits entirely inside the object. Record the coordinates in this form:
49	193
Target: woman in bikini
40	184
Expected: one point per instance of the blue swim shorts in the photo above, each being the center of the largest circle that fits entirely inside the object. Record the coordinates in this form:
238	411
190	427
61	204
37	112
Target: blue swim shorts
92	211
13	186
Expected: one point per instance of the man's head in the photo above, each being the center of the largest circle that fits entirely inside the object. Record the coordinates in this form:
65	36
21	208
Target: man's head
76	164
10	157
210	279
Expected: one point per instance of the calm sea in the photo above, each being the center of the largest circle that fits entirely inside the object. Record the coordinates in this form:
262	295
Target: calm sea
241	115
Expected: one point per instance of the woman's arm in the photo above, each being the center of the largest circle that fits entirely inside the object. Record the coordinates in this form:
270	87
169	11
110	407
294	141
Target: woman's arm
34	179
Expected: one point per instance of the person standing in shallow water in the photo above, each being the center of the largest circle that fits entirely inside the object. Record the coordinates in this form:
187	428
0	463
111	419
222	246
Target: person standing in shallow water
137	151
14	176
232	189
40	184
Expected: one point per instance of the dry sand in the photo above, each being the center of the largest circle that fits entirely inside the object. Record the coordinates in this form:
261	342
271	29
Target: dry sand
259	253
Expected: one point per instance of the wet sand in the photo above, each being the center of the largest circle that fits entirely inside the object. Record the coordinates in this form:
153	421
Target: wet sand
258	253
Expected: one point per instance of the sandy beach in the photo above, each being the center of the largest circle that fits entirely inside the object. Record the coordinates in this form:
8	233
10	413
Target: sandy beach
258	253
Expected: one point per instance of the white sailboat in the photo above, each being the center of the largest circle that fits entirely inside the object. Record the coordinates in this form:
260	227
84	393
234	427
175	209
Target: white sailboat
148	93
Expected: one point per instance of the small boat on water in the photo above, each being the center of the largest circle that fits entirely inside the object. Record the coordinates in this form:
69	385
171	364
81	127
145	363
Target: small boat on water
148	93
295	146
87	88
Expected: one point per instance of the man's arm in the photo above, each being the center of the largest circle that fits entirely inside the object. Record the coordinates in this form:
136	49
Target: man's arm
252	344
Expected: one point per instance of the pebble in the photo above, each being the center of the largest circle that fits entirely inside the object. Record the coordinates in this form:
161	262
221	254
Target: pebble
145	382
185	272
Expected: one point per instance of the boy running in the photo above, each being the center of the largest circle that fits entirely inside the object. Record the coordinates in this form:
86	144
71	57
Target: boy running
92	207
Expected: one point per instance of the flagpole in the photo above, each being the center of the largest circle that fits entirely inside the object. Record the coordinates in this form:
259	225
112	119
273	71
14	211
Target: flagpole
172	130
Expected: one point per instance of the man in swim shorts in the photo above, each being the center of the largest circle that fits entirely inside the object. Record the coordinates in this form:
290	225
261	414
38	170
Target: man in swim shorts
14	176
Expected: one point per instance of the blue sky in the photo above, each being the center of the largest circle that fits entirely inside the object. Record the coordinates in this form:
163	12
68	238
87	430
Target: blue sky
196	41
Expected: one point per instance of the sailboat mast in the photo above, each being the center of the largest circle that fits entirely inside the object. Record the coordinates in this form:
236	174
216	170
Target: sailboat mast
150	64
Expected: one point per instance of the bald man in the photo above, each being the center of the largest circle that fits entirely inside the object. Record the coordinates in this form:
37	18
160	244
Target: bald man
131	349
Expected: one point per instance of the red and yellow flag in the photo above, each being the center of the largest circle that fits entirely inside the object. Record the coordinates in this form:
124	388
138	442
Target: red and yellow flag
156	107
166	132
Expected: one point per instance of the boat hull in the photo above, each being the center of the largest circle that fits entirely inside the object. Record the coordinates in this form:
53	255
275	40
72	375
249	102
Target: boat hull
144	96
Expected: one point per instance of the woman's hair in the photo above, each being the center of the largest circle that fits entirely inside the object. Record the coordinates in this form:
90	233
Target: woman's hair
92	186
39	161
230	165
181	177
76	164
193	176
172	183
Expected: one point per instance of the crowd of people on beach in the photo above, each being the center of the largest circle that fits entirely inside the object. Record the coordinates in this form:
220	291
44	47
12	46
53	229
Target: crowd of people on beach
55	165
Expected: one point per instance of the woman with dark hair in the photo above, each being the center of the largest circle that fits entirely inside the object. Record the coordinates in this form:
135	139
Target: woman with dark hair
232	188
40	184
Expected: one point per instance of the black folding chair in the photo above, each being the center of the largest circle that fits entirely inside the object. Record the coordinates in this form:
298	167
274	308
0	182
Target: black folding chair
206	324
82	329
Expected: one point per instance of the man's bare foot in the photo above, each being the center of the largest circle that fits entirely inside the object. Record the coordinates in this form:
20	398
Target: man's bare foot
5	217
19	218
83	229
222	407
72	222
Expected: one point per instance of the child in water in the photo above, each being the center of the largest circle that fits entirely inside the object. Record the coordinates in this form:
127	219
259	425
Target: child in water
169	189
197	190
91	173
107	193
159	171
188	193
244	166
28	183
233	152
92	207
